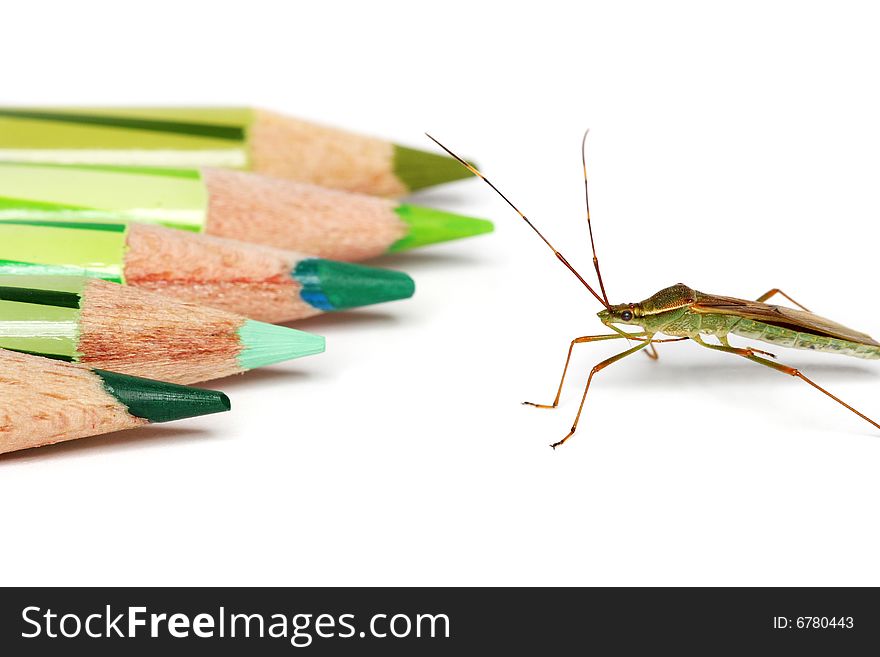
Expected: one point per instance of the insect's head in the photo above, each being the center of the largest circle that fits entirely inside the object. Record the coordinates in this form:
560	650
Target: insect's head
647	312
622	313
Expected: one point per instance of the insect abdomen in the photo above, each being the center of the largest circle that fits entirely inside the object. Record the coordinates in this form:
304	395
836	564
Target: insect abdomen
783	337
689	324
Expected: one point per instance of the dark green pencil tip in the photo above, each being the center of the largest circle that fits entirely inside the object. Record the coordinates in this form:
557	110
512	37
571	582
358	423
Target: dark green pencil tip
419	169
158	401
429	226
332	285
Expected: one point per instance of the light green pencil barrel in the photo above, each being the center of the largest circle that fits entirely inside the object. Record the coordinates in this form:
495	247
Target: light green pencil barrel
236	205
131	331
232	137
264	284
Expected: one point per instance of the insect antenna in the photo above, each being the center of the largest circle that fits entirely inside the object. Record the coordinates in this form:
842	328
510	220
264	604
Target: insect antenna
590	225
558	255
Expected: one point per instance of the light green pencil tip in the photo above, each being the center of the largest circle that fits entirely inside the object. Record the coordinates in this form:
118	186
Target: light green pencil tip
418	169
264	344
331	285
429	226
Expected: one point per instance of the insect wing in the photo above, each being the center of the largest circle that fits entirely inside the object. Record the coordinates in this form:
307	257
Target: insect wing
779	316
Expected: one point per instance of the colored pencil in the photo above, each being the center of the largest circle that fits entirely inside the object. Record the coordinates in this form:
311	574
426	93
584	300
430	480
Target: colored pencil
232	204
229	137
132	331
257	281
45	401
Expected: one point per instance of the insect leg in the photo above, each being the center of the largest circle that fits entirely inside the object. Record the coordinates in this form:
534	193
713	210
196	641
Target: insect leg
785	369
652	349
724	343
774	292
580	340
598	368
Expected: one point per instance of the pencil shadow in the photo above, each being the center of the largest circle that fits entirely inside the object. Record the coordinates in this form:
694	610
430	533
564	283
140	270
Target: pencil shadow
449	197
410	260
345	318
266	375
153	436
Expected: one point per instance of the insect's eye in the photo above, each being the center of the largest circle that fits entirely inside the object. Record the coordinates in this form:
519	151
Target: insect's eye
626	315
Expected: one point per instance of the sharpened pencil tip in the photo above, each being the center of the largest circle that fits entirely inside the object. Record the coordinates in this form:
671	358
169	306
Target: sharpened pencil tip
430	226
157	401
265	344
418	169
331	285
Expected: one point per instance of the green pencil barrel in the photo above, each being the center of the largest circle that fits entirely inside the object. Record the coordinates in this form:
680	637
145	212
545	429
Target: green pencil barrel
176	198
238	138
34	247
177	137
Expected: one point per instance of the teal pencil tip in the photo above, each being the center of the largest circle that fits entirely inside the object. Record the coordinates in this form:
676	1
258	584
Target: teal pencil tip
418	169
265	344
331	285
158	401
430	226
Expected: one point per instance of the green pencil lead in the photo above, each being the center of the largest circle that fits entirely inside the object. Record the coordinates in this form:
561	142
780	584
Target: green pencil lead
158	401
419	169
265	344
332	285
430	226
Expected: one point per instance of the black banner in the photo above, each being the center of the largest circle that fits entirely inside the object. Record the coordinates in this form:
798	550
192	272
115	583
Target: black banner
417	621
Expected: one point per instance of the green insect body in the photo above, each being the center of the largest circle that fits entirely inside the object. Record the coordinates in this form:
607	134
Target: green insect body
784	337
681	311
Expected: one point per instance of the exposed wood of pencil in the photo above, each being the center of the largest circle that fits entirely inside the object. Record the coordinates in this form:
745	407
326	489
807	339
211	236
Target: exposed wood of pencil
132	331
249	279
299	150
289	215
43	401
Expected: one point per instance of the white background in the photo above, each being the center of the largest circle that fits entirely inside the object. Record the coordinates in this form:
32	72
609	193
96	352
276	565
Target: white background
735	148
